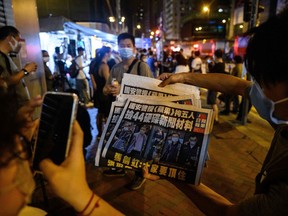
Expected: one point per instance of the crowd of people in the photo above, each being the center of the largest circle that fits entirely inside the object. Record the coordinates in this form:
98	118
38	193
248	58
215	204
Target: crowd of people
268	93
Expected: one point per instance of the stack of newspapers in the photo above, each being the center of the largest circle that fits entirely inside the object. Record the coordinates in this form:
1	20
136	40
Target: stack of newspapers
164	129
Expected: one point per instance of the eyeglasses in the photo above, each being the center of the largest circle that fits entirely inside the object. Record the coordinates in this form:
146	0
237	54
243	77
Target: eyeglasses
22	153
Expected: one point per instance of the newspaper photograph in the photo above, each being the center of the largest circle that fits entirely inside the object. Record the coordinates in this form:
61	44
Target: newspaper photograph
113	117
173	136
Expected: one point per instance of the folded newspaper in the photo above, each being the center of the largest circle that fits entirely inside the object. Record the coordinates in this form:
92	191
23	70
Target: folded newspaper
152	125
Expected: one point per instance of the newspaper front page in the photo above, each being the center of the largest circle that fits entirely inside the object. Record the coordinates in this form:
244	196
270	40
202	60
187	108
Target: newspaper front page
149	124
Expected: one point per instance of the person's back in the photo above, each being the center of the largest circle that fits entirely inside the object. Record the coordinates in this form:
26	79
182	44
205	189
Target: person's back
196	65
181	63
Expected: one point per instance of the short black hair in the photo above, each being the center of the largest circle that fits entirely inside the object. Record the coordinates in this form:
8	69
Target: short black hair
124	36
80	49
266	53
6	31
197	53
218	53
238	59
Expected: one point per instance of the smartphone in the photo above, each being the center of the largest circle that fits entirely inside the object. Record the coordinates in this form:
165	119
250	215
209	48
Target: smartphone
58	113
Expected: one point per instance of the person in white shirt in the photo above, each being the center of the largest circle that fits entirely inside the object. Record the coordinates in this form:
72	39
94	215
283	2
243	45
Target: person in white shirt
82	84
196	64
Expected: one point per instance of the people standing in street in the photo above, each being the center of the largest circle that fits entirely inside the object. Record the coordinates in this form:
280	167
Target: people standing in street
9	72
152	63
48	74
181	62
268	93
196	65
218	67
237	72
129	64
99	72
82	84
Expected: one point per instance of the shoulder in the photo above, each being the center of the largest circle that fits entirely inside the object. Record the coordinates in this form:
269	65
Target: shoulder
145	69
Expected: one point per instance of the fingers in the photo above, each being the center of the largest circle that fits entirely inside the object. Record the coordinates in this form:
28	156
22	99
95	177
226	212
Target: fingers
77	141
48	167
164	83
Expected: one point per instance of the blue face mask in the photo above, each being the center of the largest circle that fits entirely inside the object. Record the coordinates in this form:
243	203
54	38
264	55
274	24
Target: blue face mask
125	53
264	106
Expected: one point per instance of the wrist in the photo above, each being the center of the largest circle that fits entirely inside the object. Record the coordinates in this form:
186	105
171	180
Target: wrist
26	73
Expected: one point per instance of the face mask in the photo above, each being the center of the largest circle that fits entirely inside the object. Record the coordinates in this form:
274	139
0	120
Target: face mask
46	59
264	106
192	143
126	53
142	131
16	47
23	181
175	139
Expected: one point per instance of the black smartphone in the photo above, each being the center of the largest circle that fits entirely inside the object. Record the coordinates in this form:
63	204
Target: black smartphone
58	113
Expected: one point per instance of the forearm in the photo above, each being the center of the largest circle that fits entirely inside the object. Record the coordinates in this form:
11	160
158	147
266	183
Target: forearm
84	203
217	82
207	200
106	90
15	78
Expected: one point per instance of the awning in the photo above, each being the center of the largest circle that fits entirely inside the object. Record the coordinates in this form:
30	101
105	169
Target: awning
61	23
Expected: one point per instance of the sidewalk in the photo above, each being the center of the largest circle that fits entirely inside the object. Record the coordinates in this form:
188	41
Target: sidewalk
236	153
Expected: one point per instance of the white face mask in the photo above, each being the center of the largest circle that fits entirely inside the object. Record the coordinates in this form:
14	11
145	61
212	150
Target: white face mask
264	106
16	47
23	181
126	53
46	59
175	139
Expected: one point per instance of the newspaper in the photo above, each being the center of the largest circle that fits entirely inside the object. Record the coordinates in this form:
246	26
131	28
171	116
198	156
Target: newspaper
164	127
113	117
139	85
173	136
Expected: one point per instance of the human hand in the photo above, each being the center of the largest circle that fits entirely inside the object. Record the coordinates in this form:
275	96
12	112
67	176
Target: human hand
114	89
69	179
30	67
25	117
169	78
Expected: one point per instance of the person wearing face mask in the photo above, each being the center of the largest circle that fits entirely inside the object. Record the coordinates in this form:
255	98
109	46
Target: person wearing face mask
132	65
171	152
129	64
48	74
16	179
189	152
138	141
9	43
268	93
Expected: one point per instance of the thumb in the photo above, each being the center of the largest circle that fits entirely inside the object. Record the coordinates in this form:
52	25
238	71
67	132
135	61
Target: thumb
48	167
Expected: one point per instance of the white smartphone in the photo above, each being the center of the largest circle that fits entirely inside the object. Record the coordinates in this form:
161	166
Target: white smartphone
58	113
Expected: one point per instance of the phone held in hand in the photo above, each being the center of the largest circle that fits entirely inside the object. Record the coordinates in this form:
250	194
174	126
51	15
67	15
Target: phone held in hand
114	82
53	140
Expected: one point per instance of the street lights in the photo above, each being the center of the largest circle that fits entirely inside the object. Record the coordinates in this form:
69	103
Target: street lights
120	21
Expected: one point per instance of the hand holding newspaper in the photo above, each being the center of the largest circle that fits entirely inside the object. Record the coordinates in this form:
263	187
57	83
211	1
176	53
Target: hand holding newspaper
170	132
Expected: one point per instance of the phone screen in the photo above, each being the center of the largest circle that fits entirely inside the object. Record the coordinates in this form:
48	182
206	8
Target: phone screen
57	116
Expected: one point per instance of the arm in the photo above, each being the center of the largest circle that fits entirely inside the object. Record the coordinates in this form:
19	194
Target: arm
109	88
217	82
15	78
207	200
104	72
93	82
73	188
25	117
